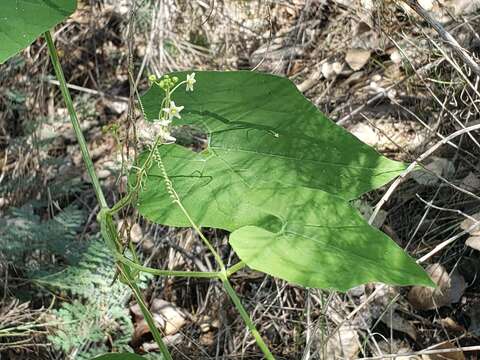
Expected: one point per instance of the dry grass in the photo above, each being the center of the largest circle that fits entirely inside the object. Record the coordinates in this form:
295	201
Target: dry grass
410	104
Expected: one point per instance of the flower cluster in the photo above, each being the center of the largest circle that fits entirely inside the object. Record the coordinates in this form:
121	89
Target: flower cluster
160	130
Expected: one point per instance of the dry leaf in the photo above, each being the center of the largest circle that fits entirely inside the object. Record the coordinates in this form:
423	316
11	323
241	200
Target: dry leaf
426	4
207	323
365	36
136	233
357	58
147	245
366	133
169	318
393	346
328	71
471	182
169	340
344	344
468	223
437	166
127	225
380	135
207	339
396	322
473	242
396	57
451	325
455	355
337	67
116	107
449	289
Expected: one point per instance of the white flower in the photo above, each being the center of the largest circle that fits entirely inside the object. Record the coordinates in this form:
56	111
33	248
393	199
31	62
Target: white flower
173	110
168	138
165	122
190	81
163	132
148	132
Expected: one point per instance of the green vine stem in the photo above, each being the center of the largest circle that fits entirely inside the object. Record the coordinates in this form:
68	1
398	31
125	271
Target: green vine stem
109	234
234	268
75	123
246	317
224	273
107	227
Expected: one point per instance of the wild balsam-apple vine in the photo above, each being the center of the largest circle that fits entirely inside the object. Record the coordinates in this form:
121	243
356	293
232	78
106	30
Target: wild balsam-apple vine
279	176
276	173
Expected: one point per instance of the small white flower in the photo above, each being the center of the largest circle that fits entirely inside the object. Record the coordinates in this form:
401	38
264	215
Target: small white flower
169	139
164	133
190	81
173	110
164	122
148	132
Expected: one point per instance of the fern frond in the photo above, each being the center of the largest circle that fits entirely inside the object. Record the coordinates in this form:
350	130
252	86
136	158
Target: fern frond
101	308
23	236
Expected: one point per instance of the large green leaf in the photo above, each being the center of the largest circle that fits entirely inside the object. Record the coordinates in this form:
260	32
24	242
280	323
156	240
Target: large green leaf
265	129
22	21
119	356
278	175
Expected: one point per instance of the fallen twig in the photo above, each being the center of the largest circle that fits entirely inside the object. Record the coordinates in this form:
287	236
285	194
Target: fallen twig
445	35
413	165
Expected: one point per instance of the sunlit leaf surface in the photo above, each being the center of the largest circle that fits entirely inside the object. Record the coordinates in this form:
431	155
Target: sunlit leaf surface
22	21
278	175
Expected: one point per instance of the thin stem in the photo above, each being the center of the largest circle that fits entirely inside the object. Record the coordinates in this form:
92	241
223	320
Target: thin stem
193	274
146	313
176	200
234	268
246	318
140	173
110	235
200	233
104	216
73	118
178	85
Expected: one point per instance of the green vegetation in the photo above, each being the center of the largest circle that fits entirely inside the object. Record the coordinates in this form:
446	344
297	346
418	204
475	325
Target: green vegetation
277	174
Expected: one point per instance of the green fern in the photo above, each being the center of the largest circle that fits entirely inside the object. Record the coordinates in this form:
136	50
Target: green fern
28	242
90	329
86	276
96	319
100	309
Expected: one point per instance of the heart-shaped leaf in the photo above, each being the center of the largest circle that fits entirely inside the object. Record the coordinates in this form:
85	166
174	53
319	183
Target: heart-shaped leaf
22	21
277	174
